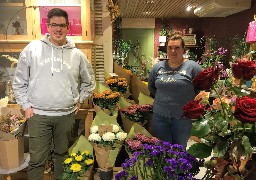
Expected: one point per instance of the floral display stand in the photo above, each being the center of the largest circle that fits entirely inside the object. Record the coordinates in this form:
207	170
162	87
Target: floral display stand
11	171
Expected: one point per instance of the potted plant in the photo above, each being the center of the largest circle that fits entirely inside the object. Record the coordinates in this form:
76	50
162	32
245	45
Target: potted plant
163	33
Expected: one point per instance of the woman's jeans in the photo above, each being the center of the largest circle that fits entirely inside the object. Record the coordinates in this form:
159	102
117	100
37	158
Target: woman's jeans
172	129
43	132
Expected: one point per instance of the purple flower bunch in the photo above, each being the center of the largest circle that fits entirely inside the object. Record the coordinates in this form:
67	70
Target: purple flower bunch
137	113
159	160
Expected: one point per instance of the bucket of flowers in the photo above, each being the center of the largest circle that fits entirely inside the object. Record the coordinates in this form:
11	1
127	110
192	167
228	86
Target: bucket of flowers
107	140
106	100
135	113
225	122
156	159
78	164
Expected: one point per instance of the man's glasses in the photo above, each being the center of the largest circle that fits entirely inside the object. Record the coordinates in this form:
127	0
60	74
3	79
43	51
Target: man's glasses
54	25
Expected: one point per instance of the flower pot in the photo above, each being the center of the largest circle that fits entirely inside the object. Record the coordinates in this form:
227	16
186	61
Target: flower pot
106	174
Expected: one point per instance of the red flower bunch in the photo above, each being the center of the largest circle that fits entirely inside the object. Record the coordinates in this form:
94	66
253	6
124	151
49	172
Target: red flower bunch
205	79
244	69
245	109
194	109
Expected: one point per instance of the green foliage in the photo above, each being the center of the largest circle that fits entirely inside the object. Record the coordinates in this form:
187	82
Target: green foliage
239	47
200	150
164	30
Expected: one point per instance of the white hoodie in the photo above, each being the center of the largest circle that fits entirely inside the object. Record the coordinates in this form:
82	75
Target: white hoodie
47	78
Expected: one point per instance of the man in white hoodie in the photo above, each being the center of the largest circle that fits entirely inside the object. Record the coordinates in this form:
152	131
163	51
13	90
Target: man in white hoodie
46	85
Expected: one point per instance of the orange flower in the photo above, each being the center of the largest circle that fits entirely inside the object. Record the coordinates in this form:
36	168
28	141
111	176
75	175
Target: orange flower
217	103
107	92
202	96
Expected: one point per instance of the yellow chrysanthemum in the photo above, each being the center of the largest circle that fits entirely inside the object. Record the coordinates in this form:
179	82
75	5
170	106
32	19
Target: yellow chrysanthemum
88	161
73	154
79	158
75	167
22	120
67	161
85	152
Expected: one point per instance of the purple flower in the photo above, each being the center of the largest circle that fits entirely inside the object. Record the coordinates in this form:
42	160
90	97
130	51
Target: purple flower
149	162
173	162
184	164
134	178
128	163
222	51
121	175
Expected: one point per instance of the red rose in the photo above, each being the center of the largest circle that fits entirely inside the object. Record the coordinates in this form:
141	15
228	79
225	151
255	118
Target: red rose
245	109
244	69
194	109
205	79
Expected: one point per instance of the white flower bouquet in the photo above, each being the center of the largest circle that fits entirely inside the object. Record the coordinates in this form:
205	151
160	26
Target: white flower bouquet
106	138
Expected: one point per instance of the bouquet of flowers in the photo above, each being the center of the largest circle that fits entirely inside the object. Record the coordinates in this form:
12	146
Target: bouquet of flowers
117	84
157	159
135	114
11	120
106	135
106	138
107	99
79	162
226	120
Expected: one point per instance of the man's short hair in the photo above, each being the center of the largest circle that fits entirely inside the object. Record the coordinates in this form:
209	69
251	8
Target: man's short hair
57	12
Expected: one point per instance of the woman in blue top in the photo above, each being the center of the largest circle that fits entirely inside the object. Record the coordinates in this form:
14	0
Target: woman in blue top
170	83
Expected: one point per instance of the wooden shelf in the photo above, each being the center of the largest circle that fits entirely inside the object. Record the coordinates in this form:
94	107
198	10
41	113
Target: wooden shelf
11	4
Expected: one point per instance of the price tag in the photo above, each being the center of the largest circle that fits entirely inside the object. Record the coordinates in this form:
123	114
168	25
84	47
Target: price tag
105	128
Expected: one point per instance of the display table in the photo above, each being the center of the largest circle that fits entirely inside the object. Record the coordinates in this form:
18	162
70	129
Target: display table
11	171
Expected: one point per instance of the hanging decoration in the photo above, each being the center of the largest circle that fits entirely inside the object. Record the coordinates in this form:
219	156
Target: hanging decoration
114	10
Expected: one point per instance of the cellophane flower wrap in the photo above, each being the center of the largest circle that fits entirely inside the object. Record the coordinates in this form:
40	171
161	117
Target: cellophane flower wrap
225	114
78	164
107	138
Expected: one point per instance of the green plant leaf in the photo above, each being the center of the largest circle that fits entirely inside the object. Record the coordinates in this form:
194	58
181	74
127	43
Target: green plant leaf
200	150
247	145
201	128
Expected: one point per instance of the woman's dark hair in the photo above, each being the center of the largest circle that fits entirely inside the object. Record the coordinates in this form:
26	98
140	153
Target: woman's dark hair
176	36
57	12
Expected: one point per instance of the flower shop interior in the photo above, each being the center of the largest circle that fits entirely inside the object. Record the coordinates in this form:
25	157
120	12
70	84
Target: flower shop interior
123	40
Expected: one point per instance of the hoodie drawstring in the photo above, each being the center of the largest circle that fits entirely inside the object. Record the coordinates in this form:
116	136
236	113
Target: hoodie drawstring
61	58
52	62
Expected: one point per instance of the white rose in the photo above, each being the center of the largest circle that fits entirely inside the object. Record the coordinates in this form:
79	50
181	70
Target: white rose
121	136
108	136
94	129
115	128
94	137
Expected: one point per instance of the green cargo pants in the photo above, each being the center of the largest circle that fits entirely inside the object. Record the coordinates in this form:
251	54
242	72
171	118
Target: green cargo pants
43	130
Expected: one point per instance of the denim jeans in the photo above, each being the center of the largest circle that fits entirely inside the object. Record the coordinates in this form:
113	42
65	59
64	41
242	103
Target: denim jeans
172	129
43	132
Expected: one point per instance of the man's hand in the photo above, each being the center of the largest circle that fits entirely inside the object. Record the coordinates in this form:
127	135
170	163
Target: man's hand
29	113
78	105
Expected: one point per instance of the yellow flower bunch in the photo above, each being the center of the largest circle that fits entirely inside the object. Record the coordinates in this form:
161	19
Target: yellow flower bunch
76	165
107	99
